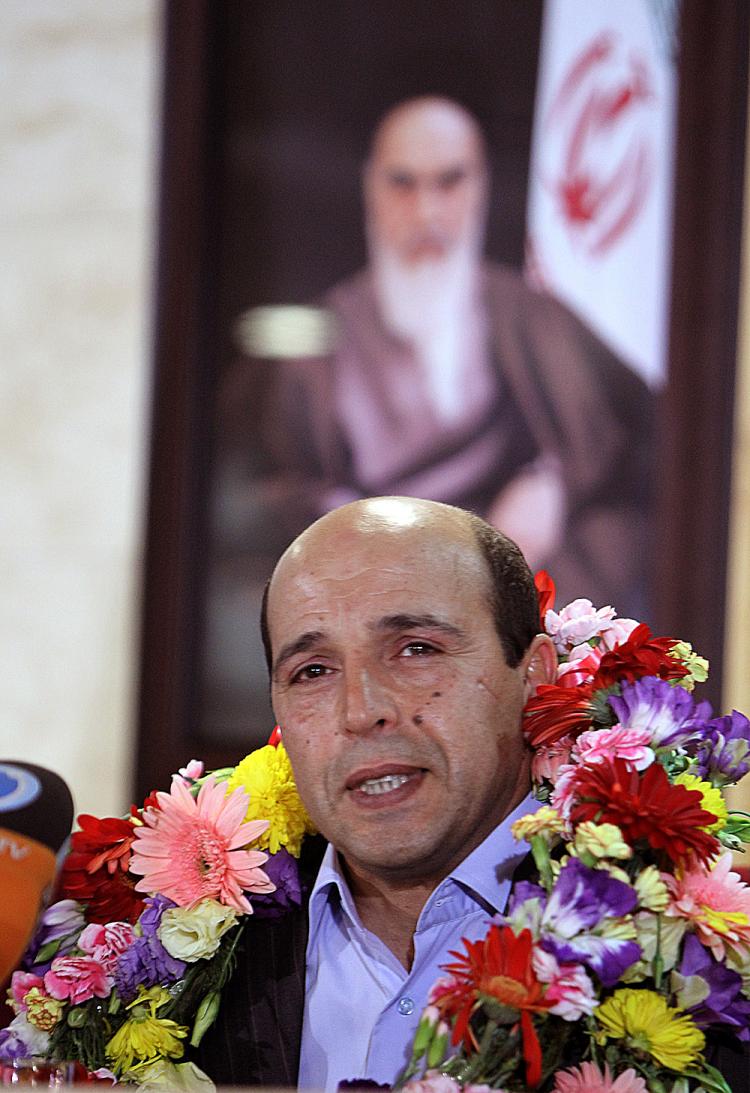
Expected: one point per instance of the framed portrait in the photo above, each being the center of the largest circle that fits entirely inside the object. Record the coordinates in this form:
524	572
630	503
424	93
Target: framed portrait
270	112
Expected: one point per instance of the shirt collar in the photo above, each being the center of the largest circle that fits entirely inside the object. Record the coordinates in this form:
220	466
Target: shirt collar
489	868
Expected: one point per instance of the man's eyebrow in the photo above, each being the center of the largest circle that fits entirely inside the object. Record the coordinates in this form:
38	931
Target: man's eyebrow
300	645
399	623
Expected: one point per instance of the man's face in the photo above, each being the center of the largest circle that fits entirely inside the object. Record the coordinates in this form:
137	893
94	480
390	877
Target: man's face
398	710
425	185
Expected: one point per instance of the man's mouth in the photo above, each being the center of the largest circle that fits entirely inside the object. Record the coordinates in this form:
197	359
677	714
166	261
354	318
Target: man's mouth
375	786
384	781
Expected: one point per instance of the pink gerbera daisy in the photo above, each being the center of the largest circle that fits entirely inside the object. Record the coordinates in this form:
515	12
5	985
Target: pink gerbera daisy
588	1078
190	848
716	902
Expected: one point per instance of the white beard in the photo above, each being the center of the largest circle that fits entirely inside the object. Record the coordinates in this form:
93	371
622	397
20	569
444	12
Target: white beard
433	306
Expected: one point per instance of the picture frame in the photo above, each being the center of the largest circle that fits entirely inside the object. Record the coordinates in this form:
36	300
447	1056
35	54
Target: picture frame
229	100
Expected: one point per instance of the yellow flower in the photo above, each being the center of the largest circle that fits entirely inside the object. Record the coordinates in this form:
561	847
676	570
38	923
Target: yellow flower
194	933
601	841
652	891
646	1023
144	1036
546	821
697	666
614	871
43	1012
712	799
618	929
266	775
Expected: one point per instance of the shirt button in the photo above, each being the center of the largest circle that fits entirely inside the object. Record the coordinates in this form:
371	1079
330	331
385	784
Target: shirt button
405	1006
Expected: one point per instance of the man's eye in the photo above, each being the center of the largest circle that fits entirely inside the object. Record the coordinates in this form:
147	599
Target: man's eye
417	649
309	671
401	181
449	180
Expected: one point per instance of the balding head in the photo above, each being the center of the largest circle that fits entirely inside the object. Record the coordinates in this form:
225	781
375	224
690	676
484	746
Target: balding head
416	125
397	703
426	180
385	524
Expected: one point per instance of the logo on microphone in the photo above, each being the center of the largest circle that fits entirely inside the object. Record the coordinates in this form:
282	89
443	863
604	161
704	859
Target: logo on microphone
18	787
16	849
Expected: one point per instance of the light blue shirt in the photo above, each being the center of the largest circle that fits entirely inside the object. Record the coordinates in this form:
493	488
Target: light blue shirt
362	1006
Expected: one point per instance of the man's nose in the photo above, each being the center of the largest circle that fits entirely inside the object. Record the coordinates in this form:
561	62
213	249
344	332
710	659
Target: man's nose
427	204
368	702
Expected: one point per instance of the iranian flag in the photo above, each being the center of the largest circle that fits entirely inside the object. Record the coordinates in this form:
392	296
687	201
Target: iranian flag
600	188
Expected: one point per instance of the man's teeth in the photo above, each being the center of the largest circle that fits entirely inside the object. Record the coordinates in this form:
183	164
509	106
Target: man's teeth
384	785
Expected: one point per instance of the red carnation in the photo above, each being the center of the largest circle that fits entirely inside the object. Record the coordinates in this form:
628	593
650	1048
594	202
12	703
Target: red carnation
95	871
645	807
499	966
641	655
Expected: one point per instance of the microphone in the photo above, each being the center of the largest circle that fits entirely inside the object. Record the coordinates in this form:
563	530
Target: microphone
36	816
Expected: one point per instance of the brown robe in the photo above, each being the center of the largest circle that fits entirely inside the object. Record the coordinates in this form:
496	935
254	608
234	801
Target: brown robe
560	392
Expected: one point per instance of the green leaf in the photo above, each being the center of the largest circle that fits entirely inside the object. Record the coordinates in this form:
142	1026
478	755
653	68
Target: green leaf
77	1017
738	824
423	1037
205	1017
437	1050
47	952
540	850
710	1078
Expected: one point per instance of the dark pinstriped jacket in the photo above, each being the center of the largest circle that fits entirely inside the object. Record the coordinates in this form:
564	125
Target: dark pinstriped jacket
256	1039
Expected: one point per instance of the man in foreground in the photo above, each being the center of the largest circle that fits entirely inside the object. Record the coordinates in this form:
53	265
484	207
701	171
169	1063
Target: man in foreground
403	643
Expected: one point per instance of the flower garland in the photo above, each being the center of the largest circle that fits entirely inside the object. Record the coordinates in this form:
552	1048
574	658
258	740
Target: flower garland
127	967
605	974
609	970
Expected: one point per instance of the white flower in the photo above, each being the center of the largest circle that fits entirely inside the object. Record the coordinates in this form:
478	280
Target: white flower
165	1075
568	986
25	1037
194	933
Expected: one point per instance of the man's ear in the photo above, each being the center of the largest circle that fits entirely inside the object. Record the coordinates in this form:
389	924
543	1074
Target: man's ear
539	665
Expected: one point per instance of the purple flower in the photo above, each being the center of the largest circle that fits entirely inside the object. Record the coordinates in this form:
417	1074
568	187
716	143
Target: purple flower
573	923
282	869
723	756
12	1046
718	987
522	891
20	1040
62	922
150	917
146	962
669	714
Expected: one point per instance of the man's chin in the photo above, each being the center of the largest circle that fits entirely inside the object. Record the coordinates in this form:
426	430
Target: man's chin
398	863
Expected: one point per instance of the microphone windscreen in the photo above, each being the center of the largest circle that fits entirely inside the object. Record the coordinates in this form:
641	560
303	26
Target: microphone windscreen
36	815
35	802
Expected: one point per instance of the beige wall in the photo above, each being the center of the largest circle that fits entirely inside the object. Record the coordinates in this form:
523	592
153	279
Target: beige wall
737	646
78	99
